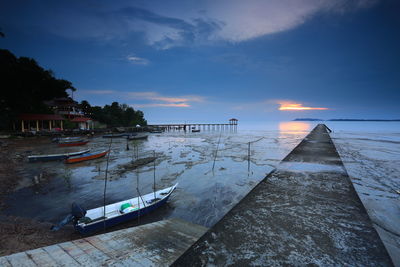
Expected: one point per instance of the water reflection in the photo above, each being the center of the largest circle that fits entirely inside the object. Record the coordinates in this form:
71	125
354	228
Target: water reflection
294	127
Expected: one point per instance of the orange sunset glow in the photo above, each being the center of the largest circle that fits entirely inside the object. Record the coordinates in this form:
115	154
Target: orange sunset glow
296	106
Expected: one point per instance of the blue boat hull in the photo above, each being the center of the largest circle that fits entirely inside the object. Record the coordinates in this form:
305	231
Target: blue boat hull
50	158
100	225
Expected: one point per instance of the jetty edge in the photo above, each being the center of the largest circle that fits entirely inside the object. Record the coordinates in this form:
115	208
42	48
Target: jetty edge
306	211
153	244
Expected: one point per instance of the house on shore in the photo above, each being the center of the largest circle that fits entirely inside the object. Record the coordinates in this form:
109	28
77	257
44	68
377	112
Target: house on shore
66	111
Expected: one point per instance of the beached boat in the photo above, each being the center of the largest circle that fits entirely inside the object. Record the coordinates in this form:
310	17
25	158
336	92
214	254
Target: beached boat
50	157
67	139
115	135
94	220
87	156
137	137
75	143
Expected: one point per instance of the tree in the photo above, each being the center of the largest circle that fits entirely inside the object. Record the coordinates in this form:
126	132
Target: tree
118	115
26	86
86	107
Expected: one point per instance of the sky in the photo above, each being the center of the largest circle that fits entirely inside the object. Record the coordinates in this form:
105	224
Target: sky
209	61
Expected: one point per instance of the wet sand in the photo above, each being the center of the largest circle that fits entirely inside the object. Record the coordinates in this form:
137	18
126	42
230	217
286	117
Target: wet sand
16	233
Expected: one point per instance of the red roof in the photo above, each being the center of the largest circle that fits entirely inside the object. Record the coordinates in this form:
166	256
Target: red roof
80	119
40	117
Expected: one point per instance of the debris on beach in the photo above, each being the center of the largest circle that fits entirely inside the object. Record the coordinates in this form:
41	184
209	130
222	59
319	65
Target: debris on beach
121	169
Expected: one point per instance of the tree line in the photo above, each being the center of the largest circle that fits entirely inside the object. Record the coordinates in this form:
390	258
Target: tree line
26	86
114	115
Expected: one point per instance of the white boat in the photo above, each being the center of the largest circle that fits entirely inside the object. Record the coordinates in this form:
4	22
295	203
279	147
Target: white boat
50	157
93	220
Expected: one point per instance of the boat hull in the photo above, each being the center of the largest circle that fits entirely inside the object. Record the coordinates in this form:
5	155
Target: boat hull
73	144
55	156
137	137
67	139
84	158
115	135
48	158
100	225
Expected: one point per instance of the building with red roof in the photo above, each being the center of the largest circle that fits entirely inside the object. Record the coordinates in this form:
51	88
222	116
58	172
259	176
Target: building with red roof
65	109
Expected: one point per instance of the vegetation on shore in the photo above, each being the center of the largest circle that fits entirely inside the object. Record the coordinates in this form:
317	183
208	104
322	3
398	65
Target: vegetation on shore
26	87
115	114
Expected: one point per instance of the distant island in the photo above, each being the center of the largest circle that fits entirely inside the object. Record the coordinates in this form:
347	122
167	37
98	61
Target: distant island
312	119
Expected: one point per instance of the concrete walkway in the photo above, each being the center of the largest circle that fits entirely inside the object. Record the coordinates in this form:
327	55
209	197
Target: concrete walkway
304	212
154	244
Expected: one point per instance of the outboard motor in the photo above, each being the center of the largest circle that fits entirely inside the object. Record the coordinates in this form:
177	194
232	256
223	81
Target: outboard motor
77	212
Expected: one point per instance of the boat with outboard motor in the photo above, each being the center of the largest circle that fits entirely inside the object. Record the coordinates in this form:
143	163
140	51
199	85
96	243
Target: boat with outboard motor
90	221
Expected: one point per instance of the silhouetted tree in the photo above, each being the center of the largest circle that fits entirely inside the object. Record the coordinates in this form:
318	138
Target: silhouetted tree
118	115
25	86
86	107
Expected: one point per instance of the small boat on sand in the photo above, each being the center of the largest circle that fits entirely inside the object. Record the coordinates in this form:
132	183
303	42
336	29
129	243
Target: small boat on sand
115	135
75	143
137	137
67	139
87	156
122	211
50	157
89	221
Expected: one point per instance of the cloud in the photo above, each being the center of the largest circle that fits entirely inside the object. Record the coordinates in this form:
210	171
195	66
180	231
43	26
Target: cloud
138	60
149	99
293	106
166	101
165	24
181	105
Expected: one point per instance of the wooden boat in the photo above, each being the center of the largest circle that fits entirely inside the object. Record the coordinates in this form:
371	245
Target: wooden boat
137	137
87	156
115	135
50	157
93	220
67	139
77	143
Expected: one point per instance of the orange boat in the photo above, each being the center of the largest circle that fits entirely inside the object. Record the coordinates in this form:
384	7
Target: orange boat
80	143
87	156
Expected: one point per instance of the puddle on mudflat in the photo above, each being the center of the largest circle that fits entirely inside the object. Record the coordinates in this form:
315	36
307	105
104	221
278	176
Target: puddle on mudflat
203	195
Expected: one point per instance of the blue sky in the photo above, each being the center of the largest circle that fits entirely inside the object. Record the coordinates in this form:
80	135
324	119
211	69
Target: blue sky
208	61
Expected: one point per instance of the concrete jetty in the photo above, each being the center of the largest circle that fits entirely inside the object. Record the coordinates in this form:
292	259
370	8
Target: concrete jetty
304	212
154	244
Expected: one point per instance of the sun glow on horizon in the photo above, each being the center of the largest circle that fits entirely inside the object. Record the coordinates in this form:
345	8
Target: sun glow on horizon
296	106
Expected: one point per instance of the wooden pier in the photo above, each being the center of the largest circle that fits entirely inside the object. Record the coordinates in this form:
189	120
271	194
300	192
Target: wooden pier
231	126
154	244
